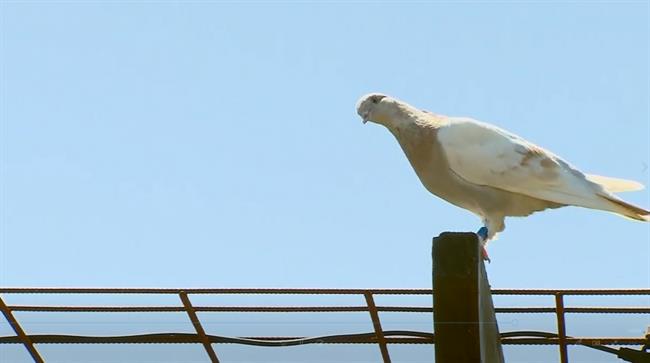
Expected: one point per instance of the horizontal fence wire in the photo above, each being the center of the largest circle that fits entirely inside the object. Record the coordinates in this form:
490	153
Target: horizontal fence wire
391	337
304	291
315	309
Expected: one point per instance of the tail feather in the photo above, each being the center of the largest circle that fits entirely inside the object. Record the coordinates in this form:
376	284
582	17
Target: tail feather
628	210
615	185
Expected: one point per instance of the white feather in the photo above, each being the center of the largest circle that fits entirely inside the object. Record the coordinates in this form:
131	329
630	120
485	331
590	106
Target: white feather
487	155
615	185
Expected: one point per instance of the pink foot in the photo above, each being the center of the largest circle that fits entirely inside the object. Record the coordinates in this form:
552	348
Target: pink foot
484	254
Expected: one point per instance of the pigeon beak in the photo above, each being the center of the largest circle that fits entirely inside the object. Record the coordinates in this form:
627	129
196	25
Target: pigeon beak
365	117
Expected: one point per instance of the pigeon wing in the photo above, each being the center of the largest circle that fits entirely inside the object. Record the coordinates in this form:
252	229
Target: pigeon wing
486	155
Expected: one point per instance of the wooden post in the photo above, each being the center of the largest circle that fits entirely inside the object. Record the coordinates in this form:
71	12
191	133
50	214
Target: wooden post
465	325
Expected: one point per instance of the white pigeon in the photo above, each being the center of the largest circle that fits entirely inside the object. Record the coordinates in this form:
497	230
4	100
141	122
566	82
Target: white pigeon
489	171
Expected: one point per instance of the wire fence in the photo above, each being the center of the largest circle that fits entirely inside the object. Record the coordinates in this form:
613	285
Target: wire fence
380	337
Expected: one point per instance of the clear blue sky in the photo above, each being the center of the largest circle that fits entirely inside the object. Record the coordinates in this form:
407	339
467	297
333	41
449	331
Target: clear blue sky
217	145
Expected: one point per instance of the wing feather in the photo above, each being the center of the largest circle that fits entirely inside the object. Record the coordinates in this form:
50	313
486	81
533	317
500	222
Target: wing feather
486	155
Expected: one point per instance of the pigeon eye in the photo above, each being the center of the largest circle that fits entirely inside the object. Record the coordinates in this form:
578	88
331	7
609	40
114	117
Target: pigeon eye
376	98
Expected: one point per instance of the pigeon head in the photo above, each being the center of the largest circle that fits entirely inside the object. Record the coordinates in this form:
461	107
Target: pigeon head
383	110
369	107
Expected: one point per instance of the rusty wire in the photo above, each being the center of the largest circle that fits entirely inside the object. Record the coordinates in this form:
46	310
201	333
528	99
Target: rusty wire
391	337
304	291
317	309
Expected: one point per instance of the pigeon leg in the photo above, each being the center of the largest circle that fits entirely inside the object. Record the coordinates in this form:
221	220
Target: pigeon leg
485	255
482	236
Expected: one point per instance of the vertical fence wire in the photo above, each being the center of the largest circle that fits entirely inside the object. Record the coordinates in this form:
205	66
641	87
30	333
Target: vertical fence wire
376	323
27	342
198	327
561	327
